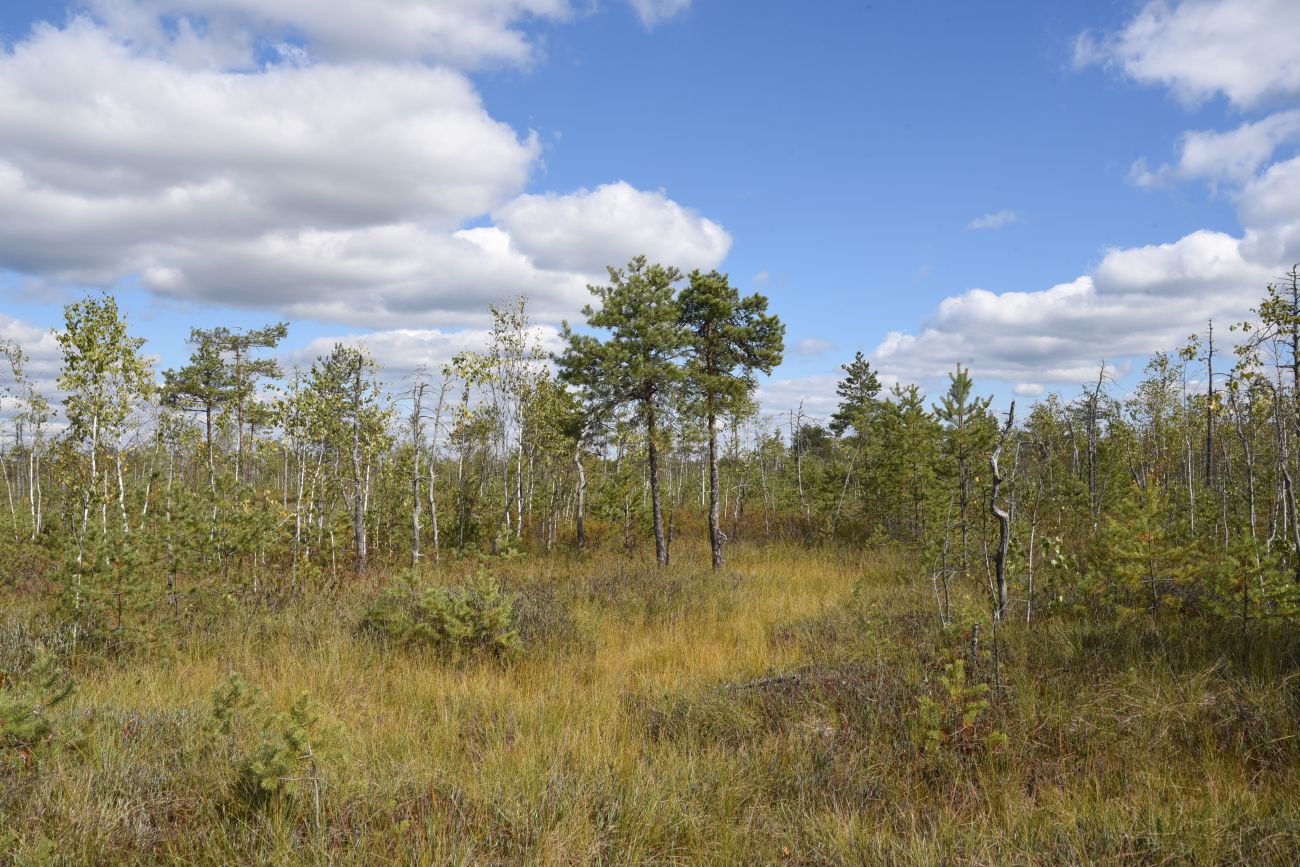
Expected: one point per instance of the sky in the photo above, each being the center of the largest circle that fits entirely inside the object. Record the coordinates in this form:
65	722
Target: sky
1025	188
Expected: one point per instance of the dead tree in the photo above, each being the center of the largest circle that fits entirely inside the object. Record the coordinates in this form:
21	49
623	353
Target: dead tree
1004	520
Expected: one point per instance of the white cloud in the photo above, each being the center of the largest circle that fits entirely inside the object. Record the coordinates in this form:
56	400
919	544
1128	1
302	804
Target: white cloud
1269	206
815	393
1136	301
994	220
335	191
589	229
1242	49
463	33
44	360
121	148
372	276
653	12
811	346
44	353
1233	156
1148	298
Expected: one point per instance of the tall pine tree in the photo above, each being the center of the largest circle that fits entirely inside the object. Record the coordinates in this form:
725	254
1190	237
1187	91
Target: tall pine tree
730	338
636	365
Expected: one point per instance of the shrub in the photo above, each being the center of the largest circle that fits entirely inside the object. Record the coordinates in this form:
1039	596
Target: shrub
25	725
958	719
270	753
108	595
477	616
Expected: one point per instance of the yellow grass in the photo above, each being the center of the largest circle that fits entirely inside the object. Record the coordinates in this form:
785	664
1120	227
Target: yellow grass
661	730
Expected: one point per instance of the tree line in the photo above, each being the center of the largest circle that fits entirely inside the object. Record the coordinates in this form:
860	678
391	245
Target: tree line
1174	499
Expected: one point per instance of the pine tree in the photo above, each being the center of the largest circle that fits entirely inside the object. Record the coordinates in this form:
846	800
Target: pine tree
243	370
968	428
730	338
636	365
203	386
857	393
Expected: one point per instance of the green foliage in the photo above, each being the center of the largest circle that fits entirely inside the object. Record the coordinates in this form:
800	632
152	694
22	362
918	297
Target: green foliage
103	370
108	594
26	698
1145	565
637	364
273	756
287	754
203	386
957	720
730	338
476	616
343	401
857	393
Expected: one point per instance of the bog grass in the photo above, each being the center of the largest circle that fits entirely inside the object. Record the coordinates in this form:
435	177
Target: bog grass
801	707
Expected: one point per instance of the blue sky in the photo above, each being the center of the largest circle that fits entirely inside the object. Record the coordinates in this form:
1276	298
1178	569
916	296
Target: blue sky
838	157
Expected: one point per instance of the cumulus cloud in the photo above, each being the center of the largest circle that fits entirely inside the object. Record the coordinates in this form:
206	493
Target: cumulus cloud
1269	207
335	191
44	359
45	356
1147	298
816	394
460	33
1137	300
581	231
1233	156
92	132
1242	49
994	220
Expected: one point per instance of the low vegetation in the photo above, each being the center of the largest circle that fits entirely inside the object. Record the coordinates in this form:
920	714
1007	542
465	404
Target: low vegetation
596	608
802	707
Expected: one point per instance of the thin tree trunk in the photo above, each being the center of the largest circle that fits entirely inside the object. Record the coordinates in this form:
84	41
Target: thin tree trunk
358	503
1004	520
416	436
652	455
582	491
844	489
715	530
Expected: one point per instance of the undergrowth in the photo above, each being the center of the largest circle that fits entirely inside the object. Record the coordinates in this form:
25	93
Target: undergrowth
801	707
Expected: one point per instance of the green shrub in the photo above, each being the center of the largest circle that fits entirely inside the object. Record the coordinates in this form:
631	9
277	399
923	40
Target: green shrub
271	755
476	616
25	724
108	595
958	719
